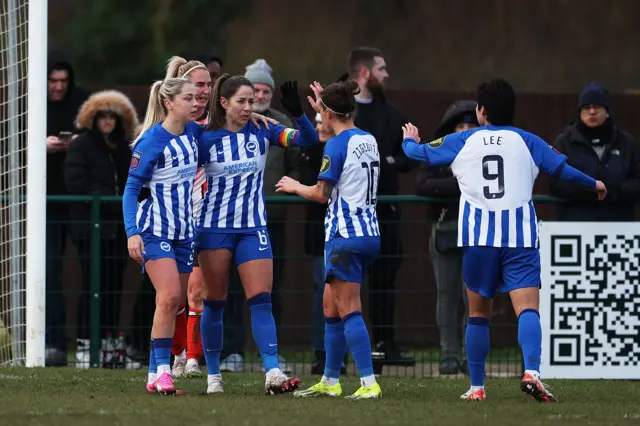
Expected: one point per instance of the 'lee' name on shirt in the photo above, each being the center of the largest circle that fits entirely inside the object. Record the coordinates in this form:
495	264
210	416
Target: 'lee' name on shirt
492	140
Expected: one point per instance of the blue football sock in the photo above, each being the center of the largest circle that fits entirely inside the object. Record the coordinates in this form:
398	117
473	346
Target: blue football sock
153	366
530	338
477	340
263	327
357	337
211	332
335	345
162	351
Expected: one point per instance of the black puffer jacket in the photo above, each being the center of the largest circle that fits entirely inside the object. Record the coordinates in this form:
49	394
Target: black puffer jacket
92	165
619	169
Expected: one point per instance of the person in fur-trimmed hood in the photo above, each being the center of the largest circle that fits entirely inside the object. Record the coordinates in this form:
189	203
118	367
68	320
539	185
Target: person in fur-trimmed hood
98	161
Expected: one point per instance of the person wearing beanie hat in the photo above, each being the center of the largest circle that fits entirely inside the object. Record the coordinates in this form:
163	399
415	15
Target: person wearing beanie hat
280	162
445	256
594	94
595	145
259	73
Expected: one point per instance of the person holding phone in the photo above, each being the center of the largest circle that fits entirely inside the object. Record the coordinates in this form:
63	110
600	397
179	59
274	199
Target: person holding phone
63	103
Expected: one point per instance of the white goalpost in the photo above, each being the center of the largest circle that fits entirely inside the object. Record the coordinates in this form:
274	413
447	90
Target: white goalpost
36	184
23	115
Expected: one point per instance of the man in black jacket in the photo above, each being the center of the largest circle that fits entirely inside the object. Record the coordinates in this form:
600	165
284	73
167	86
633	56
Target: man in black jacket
596	146
376	115
64	101
446	257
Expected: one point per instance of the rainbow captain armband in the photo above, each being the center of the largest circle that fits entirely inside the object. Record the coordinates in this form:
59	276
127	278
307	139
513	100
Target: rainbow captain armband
287	137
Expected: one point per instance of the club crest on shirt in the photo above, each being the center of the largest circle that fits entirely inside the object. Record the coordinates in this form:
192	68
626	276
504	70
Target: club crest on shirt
436	143
326	163
252	146
135	159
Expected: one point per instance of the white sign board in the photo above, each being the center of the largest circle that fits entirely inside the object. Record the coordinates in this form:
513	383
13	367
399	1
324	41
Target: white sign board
590	300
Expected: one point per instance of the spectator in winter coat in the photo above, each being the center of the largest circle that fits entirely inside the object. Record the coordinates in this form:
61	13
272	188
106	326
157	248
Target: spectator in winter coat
63	101
596	146
98	161
446	257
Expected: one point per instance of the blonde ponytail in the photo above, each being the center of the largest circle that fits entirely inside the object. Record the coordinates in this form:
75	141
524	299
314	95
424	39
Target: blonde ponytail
154	110
159	92
179	67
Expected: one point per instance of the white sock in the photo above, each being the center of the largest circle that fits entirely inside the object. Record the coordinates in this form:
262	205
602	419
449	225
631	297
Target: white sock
164	369
182	356
329	381
151	378
273	372
476	388
533	373
212	376
368	381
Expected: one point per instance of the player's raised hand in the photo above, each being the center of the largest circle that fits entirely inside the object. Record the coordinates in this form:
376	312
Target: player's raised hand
315	103
256	119
411	131
287	184
601	190
290	98
136	248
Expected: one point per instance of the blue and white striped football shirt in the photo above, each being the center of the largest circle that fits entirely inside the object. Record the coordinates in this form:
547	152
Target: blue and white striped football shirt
496	167
234	164
351	162
166	164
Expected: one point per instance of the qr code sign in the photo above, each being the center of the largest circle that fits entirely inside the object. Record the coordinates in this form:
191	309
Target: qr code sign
590	300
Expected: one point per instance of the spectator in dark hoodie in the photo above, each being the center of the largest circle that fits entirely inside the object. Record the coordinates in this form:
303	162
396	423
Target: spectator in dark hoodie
63	103
376	115
98	161
446	257
596	146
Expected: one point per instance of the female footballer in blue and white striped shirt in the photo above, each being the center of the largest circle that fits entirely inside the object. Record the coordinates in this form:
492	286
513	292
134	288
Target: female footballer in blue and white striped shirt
160	229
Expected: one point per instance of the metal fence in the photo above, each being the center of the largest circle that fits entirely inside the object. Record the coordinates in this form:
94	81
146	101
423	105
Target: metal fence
102	299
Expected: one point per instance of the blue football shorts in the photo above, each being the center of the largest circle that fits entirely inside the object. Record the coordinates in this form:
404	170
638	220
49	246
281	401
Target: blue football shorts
244	245
349	259
161	248
487	270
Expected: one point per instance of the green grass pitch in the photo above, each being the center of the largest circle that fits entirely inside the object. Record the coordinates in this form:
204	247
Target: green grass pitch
68	397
